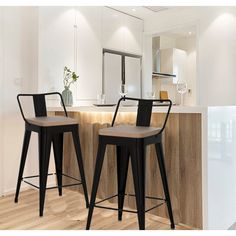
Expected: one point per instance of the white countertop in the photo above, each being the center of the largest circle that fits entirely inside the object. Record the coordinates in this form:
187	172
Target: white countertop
174	109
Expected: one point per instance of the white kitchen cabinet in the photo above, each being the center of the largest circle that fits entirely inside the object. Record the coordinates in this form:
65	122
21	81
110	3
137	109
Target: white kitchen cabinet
89	52
173	61
112	77
121	32
133	76
113	29
133	34
56	46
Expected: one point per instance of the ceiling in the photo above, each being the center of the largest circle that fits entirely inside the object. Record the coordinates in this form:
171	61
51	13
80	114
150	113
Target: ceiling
188	31
142	12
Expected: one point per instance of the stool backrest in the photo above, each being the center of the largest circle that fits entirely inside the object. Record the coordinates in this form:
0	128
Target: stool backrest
144	112
39	103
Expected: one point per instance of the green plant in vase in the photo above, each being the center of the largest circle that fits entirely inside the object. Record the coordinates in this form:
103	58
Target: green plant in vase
69	77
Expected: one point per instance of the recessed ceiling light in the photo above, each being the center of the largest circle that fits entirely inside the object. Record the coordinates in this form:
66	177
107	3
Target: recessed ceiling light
133	9
189	32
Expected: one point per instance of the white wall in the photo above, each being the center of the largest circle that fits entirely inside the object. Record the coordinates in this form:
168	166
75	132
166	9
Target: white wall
1	104
19	75
189	45
215	50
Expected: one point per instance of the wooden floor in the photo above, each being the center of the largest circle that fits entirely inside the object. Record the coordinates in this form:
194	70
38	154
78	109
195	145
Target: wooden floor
67	213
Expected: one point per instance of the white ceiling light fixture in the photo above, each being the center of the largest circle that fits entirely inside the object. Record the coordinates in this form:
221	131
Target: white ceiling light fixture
157	8
133	9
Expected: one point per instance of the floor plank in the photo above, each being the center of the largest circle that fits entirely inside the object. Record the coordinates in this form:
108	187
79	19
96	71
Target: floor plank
67	213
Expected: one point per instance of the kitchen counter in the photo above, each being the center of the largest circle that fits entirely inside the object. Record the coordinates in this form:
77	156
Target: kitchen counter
156	109
184	147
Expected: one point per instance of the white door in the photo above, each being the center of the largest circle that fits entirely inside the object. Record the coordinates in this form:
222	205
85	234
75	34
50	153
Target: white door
112	77
133	76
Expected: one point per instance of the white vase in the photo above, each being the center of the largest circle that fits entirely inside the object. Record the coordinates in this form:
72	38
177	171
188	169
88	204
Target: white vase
67	97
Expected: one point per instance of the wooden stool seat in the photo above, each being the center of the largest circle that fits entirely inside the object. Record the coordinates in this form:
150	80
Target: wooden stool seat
47	121
129	131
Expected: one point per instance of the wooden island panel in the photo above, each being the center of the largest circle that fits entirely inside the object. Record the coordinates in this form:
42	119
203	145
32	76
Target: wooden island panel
182	148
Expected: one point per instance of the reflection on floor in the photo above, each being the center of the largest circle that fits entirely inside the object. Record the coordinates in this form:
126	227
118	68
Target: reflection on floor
68	213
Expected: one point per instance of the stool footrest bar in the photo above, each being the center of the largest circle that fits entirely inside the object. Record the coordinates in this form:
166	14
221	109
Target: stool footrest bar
105	199
114	209
62	186
131	195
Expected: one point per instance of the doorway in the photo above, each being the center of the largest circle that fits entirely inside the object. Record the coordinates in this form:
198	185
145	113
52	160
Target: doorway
174	58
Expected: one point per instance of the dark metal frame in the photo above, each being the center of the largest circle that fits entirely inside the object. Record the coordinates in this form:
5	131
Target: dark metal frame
134	149
131	195
47	136
123	55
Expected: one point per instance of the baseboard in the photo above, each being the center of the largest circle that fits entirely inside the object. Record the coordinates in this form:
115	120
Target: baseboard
24	187
13	190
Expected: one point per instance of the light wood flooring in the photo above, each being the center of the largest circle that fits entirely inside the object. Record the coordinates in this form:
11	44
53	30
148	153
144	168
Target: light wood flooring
67	213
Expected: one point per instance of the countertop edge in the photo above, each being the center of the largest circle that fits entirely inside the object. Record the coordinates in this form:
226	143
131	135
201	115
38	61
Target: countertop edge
174	109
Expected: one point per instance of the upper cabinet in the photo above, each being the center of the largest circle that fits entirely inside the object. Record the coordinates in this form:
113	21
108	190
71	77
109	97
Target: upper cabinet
113	29
121	32
56	45
75	37
89	52
133	35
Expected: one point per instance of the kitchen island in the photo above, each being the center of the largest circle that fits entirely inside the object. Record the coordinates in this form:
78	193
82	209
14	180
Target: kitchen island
184	148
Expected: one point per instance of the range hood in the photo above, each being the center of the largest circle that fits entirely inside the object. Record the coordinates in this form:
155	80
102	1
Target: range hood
159	74
162	63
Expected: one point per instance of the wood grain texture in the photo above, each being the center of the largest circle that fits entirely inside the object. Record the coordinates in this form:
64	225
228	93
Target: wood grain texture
46	121
191	167
67	213
182	148
129	131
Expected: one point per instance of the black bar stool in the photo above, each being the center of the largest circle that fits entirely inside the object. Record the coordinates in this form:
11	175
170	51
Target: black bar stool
132	141
50	131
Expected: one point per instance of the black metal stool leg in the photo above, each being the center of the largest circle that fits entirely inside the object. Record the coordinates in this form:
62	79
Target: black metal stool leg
80	163
138	169
160	158
96	177
44	155
58	157
122	171
22	162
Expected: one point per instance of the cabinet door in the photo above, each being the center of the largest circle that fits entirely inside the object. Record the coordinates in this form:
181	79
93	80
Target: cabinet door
113	29
179	65
133	33
56	46
121	32
89	51
133	76
112	77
